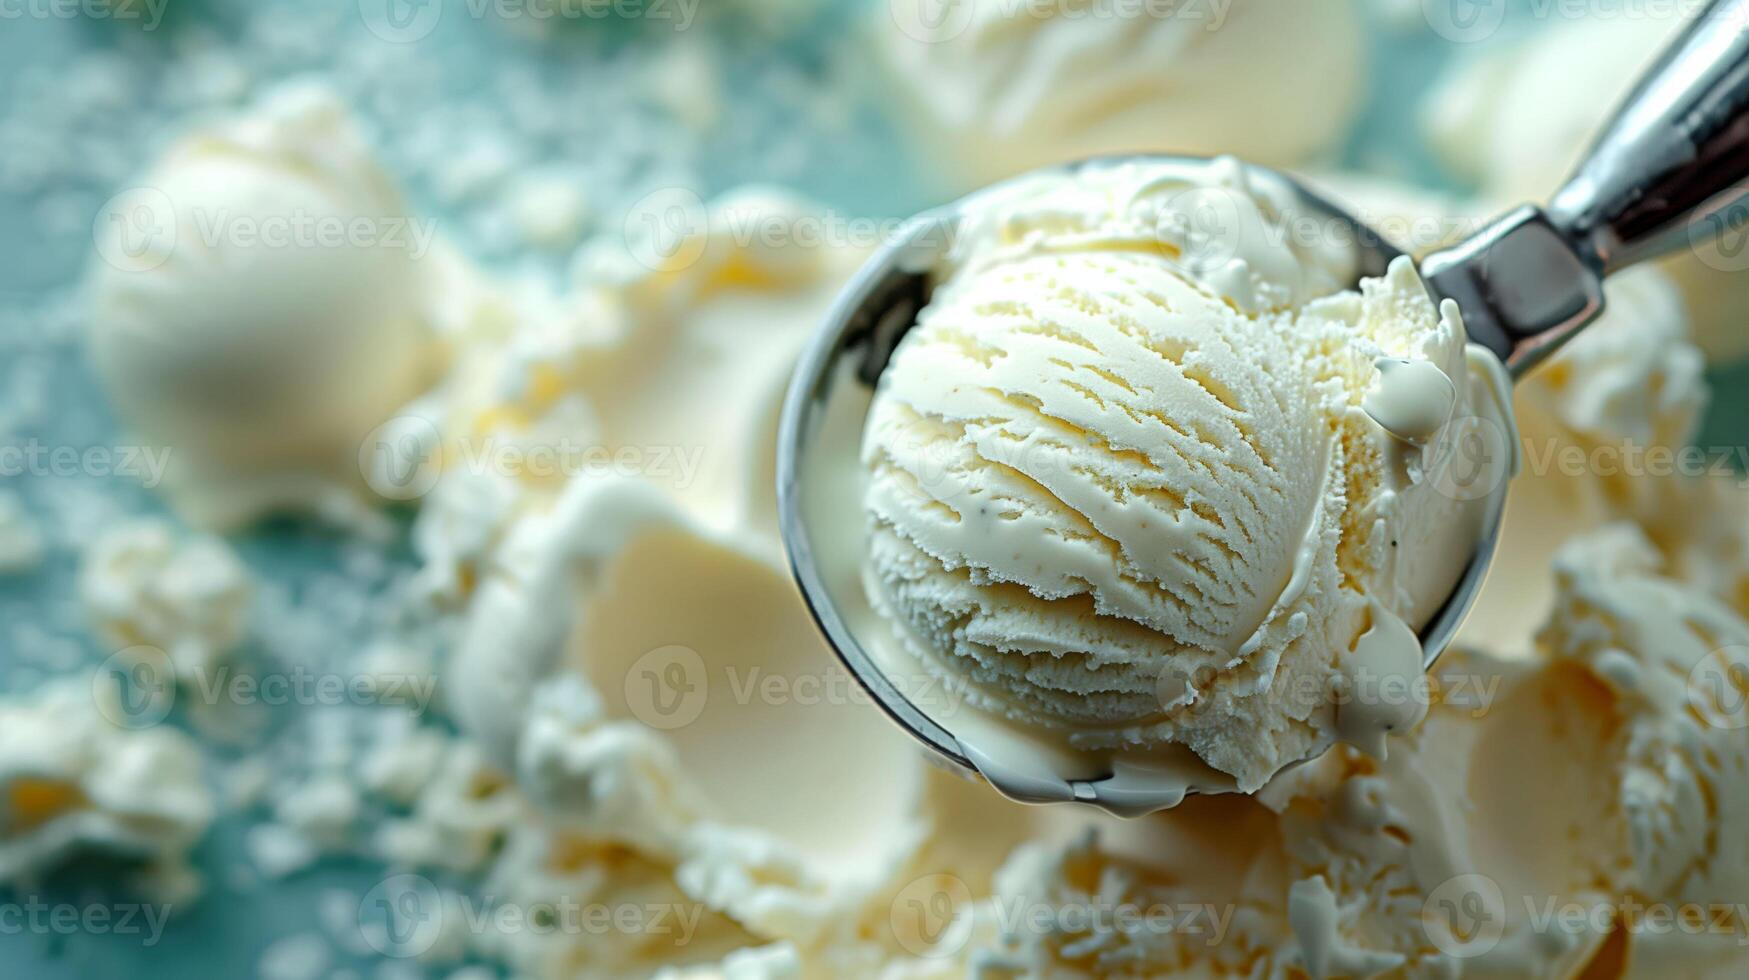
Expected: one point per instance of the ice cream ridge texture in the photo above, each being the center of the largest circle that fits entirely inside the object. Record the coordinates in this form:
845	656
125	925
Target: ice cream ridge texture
1163	491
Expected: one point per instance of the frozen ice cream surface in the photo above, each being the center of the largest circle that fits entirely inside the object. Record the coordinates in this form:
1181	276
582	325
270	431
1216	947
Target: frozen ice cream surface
1001	88
1594	781
1143	498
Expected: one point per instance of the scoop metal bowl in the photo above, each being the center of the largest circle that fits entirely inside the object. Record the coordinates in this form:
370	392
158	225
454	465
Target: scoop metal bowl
1661	177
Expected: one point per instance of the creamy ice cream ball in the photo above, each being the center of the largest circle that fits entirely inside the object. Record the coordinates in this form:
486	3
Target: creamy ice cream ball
1052	449
1136	498
258	299
1008	87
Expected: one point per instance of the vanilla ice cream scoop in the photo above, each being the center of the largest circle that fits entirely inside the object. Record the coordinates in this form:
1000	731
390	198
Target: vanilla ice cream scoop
1129	505
1171	474
261	304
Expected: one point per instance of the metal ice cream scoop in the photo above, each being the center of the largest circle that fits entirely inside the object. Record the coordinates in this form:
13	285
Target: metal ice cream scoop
1664	175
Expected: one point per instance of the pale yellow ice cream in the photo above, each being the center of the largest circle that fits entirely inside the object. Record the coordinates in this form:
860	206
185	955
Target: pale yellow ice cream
1567	817
1139	497
998	88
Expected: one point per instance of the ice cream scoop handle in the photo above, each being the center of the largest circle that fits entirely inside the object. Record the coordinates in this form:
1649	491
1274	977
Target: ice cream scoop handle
1669	171
1662	174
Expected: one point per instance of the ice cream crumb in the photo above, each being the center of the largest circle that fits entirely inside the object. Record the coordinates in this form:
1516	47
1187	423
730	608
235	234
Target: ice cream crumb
306	956
145	584
73	781
280	851
21	538
549	209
